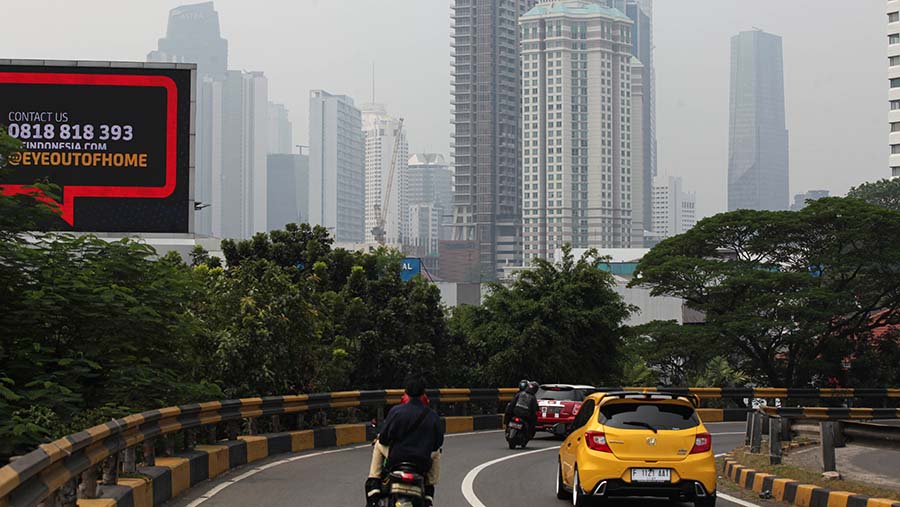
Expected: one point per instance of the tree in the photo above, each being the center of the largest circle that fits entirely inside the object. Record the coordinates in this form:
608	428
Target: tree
785	291
885	193
555	323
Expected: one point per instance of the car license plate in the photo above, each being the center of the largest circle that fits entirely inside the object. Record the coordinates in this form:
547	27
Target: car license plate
651	475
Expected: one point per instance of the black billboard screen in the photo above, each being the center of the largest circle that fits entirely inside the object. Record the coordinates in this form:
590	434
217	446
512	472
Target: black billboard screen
116	141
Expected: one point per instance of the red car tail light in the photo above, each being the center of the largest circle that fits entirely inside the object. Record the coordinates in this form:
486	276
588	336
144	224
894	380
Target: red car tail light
596	440
702	443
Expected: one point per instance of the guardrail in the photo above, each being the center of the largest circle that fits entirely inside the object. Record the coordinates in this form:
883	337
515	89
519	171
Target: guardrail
60	472
833	427
60	467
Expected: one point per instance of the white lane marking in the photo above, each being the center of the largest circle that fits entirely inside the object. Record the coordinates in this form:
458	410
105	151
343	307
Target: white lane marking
250	473
216	490
468	484
729	498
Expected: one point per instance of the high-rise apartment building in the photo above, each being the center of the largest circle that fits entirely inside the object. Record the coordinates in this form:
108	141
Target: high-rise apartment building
758	138
281	130
381	130
193	36
486	129
893	36
577	127
674	210
336	166
241	188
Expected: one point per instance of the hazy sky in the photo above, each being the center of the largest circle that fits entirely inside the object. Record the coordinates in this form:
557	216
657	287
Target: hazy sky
835	69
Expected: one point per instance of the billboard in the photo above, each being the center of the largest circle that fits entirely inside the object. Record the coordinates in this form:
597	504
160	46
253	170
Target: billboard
115	139
410	267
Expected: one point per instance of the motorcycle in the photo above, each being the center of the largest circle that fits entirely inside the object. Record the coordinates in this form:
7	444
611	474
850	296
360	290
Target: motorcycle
404	486
517	433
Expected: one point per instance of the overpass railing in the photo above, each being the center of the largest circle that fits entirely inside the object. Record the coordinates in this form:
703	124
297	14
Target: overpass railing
78	465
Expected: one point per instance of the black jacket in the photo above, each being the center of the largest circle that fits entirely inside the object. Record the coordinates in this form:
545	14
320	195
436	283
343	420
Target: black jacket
415	447
530	400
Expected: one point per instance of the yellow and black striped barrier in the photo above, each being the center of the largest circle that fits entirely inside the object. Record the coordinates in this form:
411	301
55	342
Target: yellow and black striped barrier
796	493
35	476
832	413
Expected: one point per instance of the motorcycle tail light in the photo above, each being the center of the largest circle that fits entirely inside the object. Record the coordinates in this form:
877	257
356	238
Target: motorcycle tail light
407	477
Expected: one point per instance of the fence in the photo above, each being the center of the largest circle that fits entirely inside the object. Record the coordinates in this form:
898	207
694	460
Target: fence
61	472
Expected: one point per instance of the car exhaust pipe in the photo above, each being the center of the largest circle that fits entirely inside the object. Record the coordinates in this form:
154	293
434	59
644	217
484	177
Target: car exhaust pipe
600	490
699	490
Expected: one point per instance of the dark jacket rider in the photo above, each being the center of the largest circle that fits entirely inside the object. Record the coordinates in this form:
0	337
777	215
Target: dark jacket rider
524	405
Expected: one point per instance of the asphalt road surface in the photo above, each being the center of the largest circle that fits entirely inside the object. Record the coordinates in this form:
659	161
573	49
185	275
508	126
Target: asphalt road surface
470	476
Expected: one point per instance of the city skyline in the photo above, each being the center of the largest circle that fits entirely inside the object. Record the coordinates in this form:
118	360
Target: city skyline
692	58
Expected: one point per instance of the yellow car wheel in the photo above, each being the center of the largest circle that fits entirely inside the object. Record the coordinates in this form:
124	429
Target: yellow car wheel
579	499
561	492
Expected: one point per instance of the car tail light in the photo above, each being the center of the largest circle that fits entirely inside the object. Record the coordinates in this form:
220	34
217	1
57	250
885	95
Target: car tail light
702	443
576	408
596	440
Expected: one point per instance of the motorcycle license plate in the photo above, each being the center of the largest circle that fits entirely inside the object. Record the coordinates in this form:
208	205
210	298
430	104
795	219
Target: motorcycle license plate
651	475
515	425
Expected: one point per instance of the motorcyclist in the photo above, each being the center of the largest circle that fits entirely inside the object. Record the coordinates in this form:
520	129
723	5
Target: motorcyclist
411	433
524	406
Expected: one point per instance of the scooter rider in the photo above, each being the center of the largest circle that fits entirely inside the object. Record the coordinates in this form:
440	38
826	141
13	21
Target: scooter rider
411	433
524	406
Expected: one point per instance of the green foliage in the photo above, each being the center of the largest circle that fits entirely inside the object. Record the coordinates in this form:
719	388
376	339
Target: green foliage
784	293
555	323
884	193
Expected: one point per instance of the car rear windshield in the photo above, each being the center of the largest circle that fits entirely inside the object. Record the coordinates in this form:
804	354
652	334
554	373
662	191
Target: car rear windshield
557	393
660	416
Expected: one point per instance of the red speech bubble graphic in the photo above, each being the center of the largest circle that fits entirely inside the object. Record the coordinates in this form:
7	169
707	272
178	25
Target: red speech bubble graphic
70	192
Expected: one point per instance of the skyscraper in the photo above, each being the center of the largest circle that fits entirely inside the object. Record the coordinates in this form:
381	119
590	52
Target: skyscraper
193	36
288	194
758	142
641	12
674	210
242	208
893	35
430	195
336	166
486	129
281	130
812	195
577	127
381	131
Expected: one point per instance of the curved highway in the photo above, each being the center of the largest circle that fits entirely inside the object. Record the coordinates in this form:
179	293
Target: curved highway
474	473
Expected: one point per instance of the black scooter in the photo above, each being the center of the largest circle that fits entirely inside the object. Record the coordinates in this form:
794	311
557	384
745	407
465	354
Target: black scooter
403	486
517	433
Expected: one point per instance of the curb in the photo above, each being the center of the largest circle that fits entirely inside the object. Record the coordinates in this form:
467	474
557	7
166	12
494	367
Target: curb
795	493
173	475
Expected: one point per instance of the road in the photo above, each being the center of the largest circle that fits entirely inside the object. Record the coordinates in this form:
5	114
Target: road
335	478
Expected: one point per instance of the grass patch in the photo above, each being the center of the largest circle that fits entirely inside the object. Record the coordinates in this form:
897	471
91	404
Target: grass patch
760	463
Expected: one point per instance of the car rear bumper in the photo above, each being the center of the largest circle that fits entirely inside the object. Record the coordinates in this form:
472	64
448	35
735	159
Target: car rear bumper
548	423
692	476
684	490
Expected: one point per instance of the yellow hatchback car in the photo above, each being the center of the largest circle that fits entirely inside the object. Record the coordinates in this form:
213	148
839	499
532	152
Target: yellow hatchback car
637	444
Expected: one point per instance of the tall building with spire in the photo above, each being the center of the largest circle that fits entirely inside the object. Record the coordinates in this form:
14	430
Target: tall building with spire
486	130
758	138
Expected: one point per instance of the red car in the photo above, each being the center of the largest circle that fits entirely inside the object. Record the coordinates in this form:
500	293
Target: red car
558	404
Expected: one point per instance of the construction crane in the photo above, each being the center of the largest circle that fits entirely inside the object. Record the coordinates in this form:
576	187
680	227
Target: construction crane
381	209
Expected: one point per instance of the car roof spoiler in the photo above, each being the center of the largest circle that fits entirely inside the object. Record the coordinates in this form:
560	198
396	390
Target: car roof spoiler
650	395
